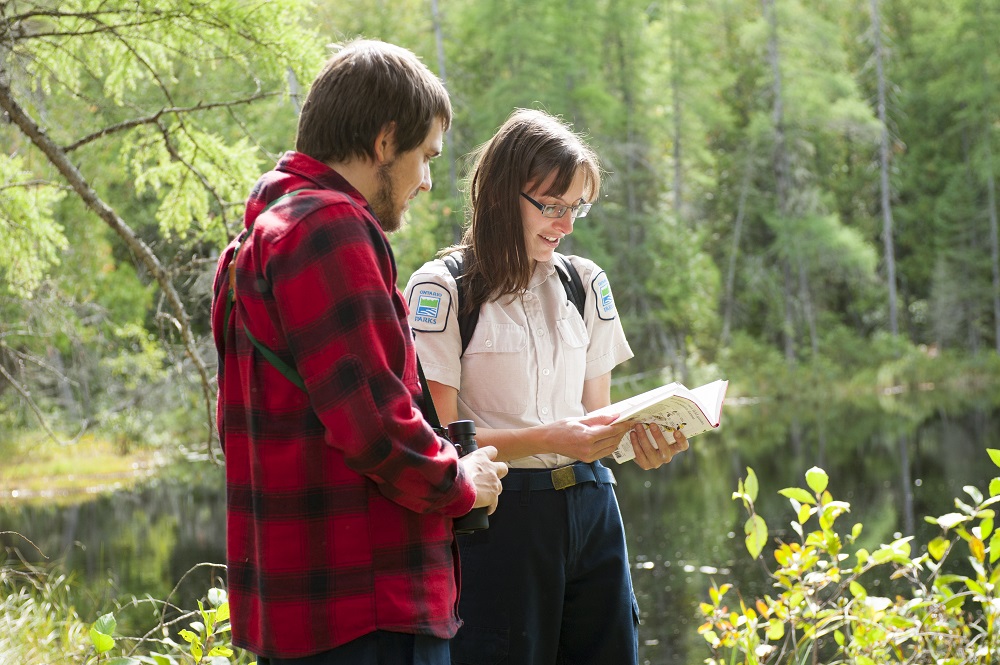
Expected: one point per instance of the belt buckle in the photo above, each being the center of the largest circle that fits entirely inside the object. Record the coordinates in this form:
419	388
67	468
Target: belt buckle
563	477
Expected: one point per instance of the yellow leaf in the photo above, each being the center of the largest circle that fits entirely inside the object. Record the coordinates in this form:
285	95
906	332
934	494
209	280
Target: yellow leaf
978	549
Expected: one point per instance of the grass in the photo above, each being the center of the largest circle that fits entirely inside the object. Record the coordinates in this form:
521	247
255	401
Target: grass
37	468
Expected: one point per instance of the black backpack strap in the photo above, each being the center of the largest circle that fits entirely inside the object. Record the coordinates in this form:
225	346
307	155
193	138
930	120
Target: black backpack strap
426	401
467	321
571	282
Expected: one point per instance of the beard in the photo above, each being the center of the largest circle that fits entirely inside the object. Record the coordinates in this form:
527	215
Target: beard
384	205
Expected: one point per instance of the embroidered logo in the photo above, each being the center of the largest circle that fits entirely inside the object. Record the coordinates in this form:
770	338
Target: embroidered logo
603	299
430	306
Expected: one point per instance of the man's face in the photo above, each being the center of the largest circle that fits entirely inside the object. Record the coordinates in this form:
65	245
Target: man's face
402	177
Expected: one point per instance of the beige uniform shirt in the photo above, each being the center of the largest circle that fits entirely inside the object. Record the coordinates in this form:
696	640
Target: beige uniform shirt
530	354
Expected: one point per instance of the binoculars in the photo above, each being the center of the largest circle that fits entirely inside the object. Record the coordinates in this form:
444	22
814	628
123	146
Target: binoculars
462	434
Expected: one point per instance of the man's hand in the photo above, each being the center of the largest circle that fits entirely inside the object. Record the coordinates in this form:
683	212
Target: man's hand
485	474
588	438
651	446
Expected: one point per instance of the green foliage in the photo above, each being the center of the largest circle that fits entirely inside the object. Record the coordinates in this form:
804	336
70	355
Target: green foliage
825	608
32	237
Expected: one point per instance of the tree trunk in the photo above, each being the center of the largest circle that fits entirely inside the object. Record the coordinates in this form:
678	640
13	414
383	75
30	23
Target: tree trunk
727	307
887	242
781	172
675	93
60	160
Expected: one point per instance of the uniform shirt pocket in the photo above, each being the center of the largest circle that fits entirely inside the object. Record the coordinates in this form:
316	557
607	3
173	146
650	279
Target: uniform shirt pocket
494	369
573	337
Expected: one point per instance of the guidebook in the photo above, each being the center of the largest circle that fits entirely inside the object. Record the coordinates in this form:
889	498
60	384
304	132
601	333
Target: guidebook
672	407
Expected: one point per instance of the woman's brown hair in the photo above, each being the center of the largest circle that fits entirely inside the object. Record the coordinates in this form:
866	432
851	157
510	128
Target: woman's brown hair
529	147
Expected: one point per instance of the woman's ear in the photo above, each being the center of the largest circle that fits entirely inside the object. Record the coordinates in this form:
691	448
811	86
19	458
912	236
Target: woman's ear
385	143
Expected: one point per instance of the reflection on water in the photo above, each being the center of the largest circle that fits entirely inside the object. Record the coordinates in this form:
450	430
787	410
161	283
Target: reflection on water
893	465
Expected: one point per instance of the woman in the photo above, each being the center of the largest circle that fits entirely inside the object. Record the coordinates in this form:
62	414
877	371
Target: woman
549	581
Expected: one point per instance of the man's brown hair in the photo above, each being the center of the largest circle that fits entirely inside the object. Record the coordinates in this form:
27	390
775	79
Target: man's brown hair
529	147
365	87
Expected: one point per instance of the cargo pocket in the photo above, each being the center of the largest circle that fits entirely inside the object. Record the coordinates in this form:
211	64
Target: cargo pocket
479	646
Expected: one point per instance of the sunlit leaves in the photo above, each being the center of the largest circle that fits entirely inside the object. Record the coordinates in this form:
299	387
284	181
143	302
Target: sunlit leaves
937	547
163	165
32	238
798	494
101	633
817	479
994	455
756	535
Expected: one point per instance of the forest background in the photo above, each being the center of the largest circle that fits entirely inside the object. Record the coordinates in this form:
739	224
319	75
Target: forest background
797	191
801	195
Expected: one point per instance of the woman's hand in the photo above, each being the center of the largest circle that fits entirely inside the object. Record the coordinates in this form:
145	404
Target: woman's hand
587	438
651	446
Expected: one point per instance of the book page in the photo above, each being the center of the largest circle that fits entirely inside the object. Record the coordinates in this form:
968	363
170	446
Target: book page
693	411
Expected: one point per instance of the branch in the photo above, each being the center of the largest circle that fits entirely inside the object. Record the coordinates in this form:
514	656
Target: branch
31	404
60	160
150	119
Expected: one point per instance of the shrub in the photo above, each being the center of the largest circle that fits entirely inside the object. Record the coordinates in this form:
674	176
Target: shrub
824	610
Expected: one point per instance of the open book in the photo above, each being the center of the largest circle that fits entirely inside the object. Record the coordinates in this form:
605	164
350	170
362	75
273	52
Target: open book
671	406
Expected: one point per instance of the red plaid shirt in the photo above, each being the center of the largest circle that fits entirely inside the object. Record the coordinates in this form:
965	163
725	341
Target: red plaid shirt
339	497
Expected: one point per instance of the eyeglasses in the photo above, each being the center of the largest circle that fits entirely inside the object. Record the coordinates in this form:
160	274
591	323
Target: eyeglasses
556	210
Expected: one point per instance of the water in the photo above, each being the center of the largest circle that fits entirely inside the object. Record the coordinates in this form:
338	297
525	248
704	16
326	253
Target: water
894	465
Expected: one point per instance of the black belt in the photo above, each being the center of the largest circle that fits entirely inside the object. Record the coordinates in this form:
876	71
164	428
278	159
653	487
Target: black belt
557	479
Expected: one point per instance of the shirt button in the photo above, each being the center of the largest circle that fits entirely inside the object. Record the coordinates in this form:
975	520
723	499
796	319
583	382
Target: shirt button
540	332
489	343
545	372
545	410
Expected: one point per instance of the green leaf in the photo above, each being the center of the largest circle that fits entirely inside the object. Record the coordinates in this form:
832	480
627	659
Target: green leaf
994	455
817	479
189	637
756	535
995	487
102	643
123	660
986	528
750	485
798	494
197	651
857	590
106	624
223	651
775	629
222	612
937	548
995	547
101	633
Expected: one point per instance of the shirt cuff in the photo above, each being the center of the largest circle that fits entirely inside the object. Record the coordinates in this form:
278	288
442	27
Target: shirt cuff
603	364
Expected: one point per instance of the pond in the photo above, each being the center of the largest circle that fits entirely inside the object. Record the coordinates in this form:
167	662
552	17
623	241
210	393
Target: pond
894	462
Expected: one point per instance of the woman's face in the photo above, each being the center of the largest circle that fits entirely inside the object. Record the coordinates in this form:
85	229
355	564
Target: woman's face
542	234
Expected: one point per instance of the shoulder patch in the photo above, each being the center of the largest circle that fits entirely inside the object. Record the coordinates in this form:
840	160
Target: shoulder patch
603	299
430	305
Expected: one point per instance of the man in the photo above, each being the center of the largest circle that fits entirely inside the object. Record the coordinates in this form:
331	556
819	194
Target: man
340	497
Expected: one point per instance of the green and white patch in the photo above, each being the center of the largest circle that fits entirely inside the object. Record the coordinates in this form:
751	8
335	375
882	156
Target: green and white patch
603	300
429	306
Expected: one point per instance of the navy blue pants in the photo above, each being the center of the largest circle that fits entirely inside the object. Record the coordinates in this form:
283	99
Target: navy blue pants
379	648
548	583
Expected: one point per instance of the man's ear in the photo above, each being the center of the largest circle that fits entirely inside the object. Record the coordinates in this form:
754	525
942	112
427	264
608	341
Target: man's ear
385	143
